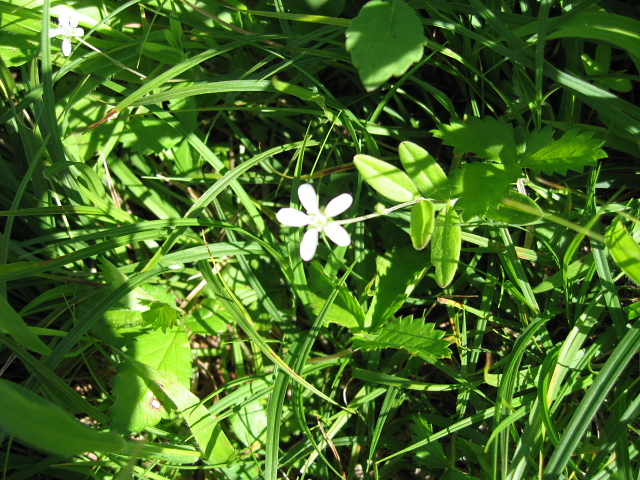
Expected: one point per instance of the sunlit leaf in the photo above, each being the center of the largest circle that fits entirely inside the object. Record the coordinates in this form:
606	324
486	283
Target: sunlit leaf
389	181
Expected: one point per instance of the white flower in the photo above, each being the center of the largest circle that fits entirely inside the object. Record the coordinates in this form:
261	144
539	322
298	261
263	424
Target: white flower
67	29
317	219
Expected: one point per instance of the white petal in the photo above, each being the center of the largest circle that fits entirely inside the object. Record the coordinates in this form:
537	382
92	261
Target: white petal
308	198
54	32
337	234
292	217
66	47
63	20
338	205
73	22
309	244
78	32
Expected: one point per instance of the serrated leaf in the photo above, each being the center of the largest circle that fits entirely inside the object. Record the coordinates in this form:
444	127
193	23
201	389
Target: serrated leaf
47	427
345	310
398	273
384	40
387	180
422	224
486	137
412	335
624	249
137	404
160	316
423	170
446	245
515	209
537	140
573	151
481	186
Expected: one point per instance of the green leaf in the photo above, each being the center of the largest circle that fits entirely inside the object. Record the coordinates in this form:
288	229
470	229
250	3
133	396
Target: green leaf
486	137
210	438
137	404
47	427
624	249
384	40
398	273
422	224
481	186
160	316
432	454
427	175
345	310
446	245
12	323
516	209
412	335
572	151
387	180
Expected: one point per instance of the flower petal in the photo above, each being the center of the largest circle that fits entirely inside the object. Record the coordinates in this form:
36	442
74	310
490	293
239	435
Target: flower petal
308	198
63	21
78	32
337	234
54	32
338	205
293	217
66	47
309	244
73	22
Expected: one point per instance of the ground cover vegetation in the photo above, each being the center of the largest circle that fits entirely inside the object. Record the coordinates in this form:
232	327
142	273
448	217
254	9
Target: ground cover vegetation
319	239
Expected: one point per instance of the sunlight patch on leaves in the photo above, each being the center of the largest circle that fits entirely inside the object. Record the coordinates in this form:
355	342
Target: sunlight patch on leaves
384	40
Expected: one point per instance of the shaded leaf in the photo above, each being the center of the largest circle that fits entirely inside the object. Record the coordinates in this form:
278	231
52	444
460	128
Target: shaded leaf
423	170
486	137
515	209
412	335
47	427
480	187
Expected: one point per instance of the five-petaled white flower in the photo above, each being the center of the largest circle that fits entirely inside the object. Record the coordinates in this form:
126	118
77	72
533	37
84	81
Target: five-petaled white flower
317	219
67	29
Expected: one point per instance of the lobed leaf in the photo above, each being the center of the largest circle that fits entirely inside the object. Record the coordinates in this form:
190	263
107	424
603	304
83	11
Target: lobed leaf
412	335
573	151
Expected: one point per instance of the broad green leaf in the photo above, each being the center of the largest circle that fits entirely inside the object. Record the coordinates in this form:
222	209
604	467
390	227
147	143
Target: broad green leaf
600	69
624	249
398	273
211	440
384	40
573	151
446	245
516	209
249	424
431	455
387	180
486	137
12	323
47	427
137	404
345	310
422	224
427	175
412	335
480	186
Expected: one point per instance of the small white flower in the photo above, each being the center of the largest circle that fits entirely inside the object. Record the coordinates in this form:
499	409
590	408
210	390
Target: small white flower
67	29
317	219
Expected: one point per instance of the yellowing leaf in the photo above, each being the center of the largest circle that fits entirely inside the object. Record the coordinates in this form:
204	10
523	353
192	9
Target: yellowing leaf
384	40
